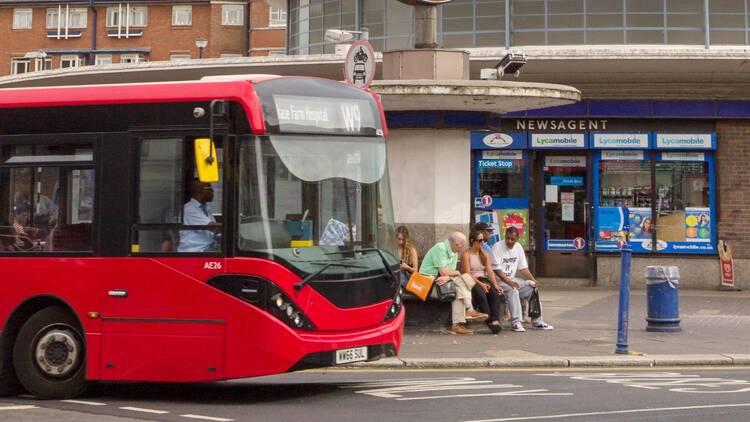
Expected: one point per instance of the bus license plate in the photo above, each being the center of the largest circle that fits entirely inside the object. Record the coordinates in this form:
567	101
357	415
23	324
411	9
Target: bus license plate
356	354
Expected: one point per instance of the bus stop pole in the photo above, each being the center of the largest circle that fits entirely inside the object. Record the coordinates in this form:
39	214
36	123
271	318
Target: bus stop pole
623	313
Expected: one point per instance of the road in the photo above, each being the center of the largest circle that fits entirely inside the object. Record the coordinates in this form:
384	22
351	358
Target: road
673	394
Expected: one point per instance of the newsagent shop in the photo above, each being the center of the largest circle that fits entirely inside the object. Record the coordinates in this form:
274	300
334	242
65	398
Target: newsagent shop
576	185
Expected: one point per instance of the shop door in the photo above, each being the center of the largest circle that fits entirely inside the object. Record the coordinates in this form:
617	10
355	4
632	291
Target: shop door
563	226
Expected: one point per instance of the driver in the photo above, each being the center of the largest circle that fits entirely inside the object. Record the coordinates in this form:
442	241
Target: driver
197	213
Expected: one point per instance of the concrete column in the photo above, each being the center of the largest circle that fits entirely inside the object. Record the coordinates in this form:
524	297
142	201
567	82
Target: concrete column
425	31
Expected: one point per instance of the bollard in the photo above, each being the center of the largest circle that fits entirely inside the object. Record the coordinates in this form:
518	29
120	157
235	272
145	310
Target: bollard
624	311
662	290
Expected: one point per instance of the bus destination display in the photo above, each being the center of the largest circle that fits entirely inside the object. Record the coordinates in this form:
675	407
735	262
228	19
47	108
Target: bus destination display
325	115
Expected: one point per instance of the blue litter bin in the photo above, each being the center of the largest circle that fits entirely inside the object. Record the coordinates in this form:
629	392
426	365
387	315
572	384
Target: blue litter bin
662	291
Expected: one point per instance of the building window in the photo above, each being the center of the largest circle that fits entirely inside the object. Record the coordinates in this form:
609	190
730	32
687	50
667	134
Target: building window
232	14
179	57
182	15
43	63
22	18
131	58
137	16
70	61
277	16
64	17
103	59
18	66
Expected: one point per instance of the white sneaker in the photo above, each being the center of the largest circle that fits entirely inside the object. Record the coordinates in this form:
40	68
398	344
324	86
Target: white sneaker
541	325
518	327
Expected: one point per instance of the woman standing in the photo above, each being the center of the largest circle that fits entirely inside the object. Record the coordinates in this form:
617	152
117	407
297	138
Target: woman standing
408	254
486	292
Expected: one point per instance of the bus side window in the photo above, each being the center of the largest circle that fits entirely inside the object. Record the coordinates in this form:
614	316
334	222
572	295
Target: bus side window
46	209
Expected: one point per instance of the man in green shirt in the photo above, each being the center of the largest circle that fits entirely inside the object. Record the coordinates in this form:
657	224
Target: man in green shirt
440	263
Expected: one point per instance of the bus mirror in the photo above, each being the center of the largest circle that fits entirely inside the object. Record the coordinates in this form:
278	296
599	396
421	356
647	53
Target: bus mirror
205	161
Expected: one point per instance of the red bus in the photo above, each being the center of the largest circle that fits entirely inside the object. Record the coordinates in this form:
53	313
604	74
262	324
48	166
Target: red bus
117	263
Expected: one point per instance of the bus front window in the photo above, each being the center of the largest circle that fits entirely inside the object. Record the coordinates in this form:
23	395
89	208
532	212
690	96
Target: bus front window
303	199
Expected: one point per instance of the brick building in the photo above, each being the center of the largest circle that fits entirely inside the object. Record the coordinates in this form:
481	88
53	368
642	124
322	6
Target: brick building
42	35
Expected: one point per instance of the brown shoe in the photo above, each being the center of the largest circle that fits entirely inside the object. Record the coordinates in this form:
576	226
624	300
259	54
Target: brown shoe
476	316
460	329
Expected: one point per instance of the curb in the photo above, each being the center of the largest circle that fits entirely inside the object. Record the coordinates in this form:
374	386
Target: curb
607	361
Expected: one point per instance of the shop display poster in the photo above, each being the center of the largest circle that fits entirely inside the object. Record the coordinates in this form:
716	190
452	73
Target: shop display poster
550	194
567	199
500	220
697	224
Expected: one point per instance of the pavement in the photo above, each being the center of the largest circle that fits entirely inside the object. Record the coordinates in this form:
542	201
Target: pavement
715	331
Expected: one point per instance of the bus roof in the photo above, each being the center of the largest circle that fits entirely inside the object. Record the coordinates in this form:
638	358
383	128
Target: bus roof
240	91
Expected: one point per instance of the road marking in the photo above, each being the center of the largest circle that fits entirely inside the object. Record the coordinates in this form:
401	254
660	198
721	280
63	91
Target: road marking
207	418
140	409
671	381
405	370
458	387
612	412
18	407
86	403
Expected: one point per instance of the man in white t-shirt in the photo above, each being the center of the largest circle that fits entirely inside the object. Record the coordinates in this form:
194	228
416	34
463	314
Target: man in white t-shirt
509	261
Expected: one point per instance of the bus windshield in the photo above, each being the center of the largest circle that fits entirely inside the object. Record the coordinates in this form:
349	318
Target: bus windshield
307	200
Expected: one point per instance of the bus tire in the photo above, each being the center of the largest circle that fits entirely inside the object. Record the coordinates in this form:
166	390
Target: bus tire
49	355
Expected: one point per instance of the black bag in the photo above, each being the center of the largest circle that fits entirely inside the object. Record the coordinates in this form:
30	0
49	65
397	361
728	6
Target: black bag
535	306
446	292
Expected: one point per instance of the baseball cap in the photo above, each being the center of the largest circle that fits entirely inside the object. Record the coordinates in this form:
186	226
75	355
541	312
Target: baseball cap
484	227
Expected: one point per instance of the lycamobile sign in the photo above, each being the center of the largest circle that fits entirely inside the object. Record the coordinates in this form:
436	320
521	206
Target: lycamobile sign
558	140
621	140
684	140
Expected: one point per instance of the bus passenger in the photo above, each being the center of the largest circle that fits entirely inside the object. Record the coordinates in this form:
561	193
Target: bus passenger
21	239
197	213
408	254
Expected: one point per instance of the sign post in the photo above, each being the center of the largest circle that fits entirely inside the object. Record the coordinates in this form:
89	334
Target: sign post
727	267
359	67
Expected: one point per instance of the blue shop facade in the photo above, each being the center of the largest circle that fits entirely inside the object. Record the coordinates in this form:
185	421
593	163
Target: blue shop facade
577	180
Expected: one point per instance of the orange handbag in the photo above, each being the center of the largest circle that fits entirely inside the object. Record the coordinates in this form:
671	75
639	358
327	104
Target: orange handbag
419	285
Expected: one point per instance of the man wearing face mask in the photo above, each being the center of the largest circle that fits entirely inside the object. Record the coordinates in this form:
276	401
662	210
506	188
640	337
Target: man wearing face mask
509	261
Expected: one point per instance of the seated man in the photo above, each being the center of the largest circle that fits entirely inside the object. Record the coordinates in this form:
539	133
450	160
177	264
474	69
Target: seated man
440	263
196	213
20	238
509	259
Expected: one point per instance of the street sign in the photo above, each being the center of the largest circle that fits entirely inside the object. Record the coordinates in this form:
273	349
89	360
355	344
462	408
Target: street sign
359	67
579	243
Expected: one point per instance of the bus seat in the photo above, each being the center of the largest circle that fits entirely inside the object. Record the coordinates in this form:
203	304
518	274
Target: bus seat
72	238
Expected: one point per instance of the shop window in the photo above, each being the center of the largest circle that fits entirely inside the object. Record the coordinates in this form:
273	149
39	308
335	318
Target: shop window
682	204
49	208
500	178
165	185
22	18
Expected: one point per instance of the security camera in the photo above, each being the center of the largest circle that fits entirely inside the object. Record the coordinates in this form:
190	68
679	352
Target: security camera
199	112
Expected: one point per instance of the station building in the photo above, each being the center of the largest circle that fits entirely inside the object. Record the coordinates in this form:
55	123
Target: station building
658	145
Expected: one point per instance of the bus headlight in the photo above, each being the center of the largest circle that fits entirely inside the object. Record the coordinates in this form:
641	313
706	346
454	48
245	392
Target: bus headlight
396	305
282	307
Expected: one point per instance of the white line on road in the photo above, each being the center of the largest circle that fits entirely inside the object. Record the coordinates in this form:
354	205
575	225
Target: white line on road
18	407
612	412
207	418
86	403
140	409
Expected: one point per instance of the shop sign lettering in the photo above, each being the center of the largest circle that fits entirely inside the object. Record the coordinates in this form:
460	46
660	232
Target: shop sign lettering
620	140
682	140
495	164
683	156
558	140
622	155
561	124
502	155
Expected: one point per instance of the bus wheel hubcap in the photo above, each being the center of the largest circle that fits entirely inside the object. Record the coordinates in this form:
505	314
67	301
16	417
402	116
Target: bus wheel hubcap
57	352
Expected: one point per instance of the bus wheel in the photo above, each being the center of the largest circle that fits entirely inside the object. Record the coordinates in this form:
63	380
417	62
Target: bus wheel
49	355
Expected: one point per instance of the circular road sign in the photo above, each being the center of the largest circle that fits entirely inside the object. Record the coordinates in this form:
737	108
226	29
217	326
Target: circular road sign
579	243
359	67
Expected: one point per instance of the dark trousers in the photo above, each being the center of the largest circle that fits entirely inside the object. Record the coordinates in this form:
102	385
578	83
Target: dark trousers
488	303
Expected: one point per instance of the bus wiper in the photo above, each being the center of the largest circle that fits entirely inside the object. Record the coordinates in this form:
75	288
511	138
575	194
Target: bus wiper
380	253
327	265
